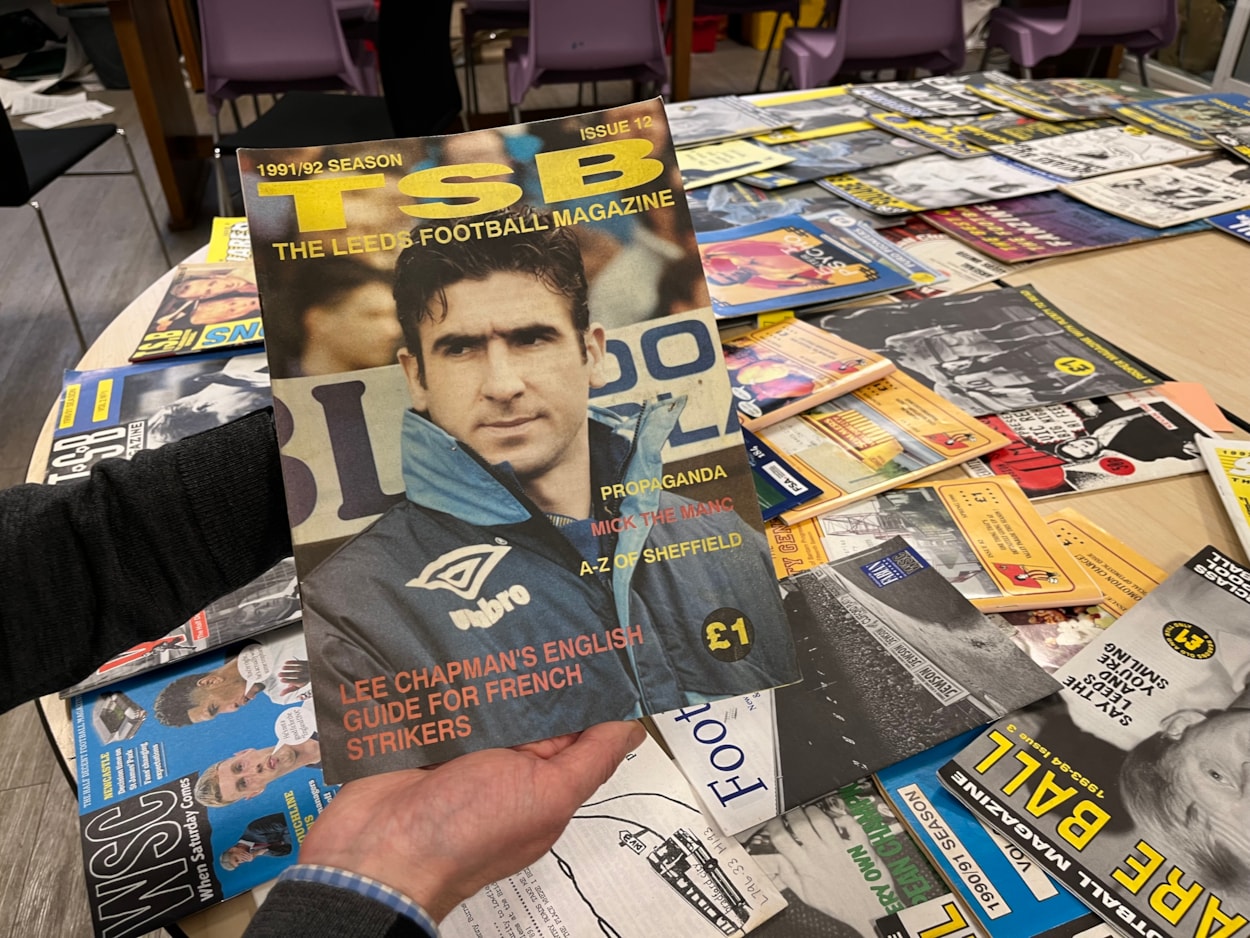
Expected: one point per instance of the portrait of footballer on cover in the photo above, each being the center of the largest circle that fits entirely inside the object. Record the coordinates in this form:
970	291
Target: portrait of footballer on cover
573	535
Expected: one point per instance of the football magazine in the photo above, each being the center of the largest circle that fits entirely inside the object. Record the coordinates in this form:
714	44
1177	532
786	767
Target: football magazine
885	434
1067	98
848	153
229	241
783	369
963	266
937	181
1096	152
1223	116
1228	461
1163	196
778	485
549	490
811	113
944	134
208	307
1049	224
1124	786
178	812
1234	223
1080	446
990	352
984	537
788	262
639	858
708	120
710	163
734	204
894	660
938	96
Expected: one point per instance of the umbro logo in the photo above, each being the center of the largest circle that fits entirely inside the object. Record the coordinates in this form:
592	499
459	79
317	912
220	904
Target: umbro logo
462	571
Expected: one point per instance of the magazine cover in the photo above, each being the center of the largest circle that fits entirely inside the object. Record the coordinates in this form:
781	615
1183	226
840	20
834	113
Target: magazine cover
1223	116
884	435
786	262
207	307
984	537
842	863
1049	224
229	241
1228	461
1096	152
1138	116
1001	131
196	783
710	163
707	120
962	266
937	96
811	113
943	915
270	600
1052	636
812	159
783	369
944	134
778	485
639	858
1234	223
894	661
1067	98
1127	785
1163	196
734	204
549	490
1008	893
937	181
991	352
1093	444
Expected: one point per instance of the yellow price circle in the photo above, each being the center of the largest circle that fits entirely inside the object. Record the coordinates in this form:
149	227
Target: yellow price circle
1071	365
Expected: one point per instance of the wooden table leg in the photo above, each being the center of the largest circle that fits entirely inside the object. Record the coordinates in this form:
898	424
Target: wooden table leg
683	39
145	37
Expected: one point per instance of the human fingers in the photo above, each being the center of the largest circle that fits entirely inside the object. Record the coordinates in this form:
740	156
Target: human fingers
592	758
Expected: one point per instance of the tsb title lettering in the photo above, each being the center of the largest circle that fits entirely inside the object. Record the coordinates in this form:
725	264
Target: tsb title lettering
575	173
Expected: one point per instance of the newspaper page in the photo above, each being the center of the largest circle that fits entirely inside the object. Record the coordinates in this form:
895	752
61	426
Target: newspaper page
638	856
549	490
1163	196
984	537
895	661
1127	785
990	352
190	792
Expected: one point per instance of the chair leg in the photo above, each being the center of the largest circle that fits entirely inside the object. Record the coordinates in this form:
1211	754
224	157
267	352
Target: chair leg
1141	65
1026	72
225	204
60	277
514	112
147	202
985	57
768	51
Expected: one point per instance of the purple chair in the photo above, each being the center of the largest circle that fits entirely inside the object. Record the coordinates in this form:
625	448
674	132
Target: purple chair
487	16
1030	35
876	34
586	40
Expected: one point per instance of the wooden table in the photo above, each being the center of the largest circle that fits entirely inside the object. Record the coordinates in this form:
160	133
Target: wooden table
1182	305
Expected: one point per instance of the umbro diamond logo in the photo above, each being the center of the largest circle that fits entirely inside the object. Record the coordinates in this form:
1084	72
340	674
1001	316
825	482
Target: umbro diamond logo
462	571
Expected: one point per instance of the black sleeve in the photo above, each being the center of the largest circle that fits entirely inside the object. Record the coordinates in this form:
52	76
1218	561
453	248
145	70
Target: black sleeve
91	568
312	910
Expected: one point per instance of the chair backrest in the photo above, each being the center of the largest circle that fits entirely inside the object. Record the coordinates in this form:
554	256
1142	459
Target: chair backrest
506	6
885	29
1124	17
14	183
567	35
272	43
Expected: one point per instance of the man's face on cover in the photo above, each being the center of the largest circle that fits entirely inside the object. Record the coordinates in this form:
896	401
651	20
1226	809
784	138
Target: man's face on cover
506	372
1211	762
245	774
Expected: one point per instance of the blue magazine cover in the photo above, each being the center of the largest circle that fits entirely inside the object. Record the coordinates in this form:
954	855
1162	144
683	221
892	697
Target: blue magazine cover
1010	895
196	782
1233	223
788	262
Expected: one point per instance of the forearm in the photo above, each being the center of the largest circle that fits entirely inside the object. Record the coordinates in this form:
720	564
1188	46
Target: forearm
92	568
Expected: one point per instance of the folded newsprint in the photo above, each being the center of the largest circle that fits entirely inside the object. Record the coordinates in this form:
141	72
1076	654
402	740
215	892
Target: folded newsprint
1130	785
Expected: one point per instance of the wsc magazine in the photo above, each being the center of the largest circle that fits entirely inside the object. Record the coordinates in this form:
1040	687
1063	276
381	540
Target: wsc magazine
1049	224
790	366
990	352
894	661
886	434
639	858
548	492
788	262
1127	785
179	810
984	537
1098	443
208	307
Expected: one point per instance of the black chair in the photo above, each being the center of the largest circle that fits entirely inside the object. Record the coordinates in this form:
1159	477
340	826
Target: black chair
31	159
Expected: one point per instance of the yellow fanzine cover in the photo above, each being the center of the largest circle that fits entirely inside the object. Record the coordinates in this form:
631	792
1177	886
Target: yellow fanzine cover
884	435
813	113
720	162
1123	575
229	242
1228	461
983	536
784	369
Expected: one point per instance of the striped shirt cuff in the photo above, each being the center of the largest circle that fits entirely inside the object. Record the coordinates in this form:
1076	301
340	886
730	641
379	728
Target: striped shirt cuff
393	899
